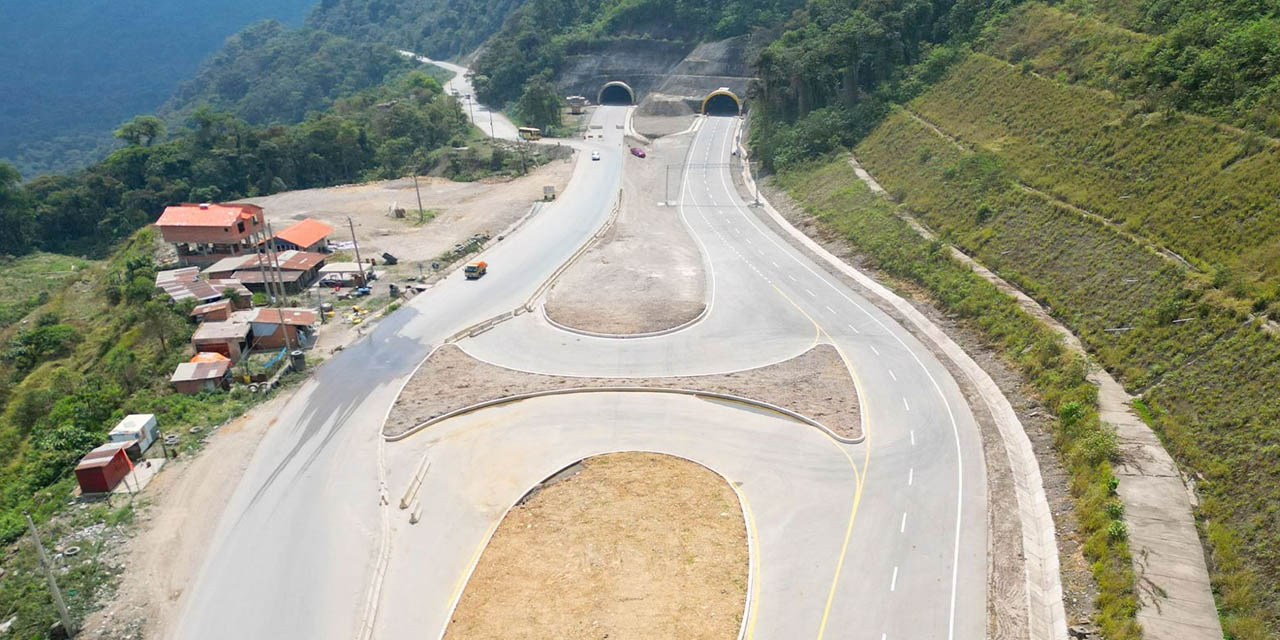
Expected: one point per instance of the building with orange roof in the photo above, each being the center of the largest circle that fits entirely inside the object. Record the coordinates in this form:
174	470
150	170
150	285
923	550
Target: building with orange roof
307	235
205	233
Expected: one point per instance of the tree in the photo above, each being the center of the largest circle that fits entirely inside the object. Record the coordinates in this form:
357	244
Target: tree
17	220
539	105
142	131
160	322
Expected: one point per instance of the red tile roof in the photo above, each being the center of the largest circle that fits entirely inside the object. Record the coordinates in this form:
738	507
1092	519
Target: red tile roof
205	215
305	233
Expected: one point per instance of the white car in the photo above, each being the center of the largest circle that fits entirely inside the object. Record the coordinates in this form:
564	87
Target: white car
595	155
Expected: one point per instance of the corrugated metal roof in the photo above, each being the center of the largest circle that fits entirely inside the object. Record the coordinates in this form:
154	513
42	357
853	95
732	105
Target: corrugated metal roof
341	267
205	215
202	309
101	456
251	276
292	316
299	260
305	233
191	371
228	330
184	283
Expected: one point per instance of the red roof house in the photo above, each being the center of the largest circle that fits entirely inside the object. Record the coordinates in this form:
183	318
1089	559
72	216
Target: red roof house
205	233
308	235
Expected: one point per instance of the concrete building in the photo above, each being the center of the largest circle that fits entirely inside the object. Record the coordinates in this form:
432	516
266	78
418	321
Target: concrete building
205	233
306	235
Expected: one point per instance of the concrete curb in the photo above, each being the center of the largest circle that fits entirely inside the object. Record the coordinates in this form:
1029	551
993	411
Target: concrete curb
799	417
1046	614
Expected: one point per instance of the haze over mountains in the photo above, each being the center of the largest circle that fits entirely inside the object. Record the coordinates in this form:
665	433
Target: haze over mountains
73	71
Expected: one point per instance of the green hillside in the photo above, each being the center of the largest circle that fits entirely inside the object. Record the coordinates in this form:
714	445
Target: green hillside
441	29
267	74
72	71
1078	156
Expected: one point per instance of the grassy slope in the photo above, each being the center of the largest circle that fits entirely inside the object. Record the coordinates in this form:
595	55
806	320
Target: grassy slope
841	202
1213	382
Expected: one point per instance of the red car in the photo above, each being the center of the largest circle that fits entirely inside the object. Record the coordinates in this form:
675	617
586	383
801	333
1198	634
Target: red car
637	152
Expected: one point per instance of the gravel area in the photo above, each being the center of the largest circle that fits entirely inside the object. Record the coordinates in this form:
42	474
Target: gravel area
628	545
646	274
815	384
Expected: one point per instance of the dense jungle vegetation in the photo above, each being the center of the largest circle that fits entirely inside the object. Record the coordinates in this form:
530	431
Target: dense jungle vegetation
443	30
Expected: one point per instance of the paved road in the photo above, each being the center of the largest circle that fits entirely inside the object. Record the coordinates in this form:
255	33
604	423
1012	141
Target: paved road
921	524
493	123
301	543
297	544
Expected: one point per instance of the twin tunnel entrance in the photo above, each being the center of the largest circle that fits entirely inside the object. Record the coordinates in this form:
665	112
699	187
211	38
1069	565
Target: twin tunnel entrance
721	102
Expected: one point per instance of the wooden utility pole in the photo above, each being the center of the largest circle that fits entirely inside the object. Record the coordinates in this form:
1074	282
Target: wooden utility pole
53	582
280	281
262	267
421	214
356	245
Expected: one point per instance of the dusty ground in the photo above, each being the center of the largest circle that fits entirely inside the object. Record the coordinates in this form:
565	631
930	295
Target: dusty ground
646	274
663	119
634	545
184	503
1005	579
815	384
464	208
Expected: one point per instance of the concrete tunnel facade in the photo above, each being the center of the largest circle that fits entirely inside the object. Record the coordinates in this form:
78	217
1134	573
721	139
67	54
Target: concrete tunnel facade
616	92
722	102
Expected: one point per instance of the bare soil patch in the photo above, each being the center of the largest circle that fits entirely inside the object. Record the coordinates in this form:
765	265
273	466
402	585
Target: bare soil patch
462	209
815	384
634	545
646	274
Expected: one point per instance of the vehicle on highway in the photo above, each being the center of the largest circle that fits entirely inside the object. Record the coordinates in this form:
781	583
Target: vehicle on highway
476	270
637	152
595	155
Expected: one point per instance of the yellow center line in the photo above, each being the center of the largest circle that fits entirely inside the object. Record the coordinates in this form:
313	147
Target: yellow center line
859	477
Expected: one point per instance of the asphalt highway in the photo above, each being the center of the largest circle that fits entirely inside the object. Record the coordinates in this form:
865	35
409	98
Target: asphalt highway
885	539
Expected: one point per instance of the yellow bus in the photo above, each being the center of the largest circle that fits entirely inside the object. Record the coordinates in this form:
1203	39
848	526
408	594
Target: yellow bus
530	133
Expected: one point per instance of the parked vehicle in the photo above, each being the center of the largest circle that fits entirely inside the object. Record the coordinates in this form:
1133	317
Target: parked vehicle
637	152
476	270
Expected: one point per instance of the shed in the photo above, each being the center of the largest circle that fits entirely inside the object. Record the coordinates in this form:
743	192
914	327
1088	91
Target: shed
228	338
102	469
136	431
275	328
194	377
212	311
344	272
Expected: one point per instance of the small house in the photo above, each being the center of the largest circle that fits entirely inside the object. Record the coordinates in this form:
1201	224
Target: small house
230	337
195	377
102	469
288	327
212	311
307	235
136	431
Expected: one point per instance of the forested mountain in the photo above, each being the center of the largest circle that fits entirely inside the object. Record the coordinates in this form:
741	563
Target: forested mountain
441	29
72	71
267	74
535	38
221	157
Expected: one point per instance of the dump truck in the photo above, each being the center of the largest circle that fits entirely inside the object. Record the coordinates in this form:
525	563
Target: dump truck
476	269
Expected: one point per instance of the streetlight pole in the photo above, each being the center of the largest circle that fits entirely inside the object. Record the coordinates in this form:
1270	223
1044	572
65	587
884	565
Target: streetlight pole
491	133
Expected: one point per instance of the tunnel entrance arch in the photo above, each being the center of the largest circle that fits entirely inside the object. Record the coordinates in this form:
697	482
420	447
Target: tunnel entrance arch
722	102
616	93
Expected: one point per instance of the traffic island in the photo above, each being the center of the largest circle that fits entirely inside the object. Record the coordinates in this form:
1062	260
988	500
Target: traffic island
623	545
815	384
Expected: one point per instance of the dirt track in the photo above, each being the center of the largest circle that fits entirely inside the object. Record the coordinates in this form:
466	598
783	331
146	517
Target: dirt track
646	274
634	545
815	384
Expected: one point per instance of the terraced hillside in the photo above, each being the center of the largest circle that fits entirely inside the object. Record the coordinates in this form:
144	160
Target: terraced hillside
1153	233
